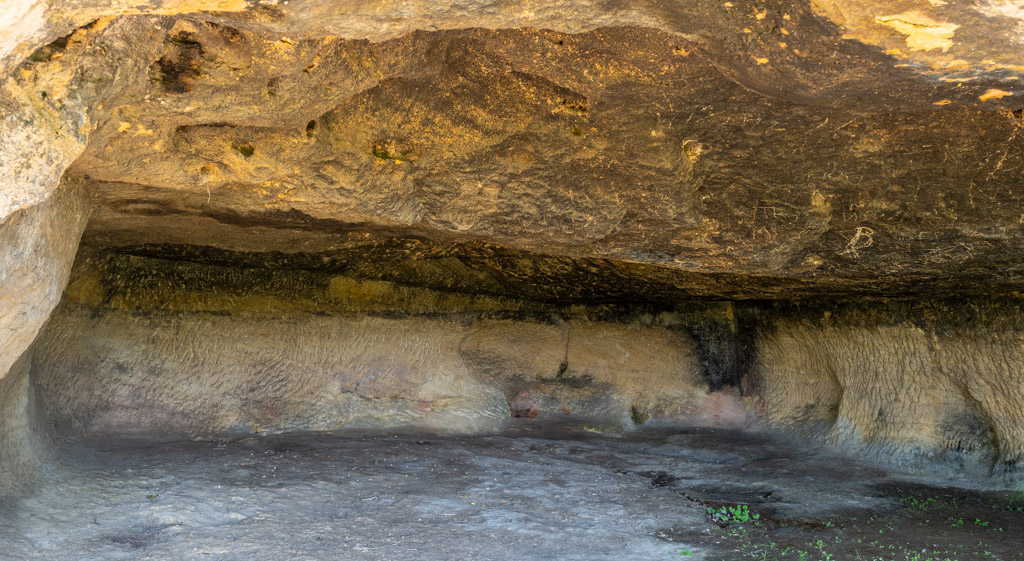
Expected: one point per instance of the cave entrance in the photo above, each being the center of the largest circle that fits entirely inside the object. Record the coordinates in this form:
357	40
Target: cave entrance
587	293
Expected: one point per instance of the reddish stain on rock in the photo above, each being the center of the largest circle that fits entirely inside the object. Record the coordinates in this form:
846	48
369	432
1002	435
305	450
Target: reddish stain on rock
523	405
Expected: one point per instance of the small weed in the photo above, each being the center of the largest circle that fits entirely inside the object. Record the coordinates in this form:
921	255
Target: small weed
870	537
922	503
739	514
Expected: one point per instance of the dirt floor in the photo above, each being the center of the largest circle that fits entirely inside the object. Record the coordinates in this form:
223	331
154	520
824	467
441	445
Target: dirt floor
539	490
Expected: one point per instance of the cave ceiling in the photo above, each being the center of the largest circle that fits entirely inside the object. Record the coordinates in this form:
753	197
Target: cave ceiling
718	150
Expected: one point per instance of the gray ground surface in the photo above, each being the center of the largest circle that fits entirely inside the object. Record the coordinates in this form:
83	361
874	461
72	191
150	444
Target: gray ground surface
538	490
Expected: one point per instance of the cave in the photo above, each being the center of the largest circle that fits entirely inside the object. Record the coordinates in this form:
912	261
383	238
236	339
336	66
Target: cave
480	280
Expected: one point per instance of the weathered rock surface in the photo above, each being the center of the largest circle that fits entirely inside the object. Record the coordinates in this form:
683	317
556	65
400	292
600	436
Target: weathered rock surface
155	346
38	246
102	373
26	436
578	205
942	383
628	145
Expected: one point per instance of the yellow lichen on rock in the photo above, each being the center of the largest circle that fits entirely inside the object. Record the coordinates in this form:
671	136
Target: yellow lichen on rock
955	40
994	93
923	33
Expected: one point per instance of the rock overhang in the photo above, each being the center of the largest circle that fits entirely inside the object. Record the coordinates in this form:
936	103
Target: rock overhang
627	144
747	177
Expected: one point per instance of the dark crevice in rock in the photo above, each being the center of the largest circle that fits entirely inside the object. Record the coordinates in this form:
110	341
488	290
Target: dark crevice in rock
716	333
177	70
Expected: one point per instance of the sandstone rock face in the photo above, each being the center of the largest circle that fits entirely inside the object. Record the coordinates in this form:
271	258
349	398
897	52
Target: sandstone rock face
188	375
115	373
25	439
509	208
628	145
925	390
38	245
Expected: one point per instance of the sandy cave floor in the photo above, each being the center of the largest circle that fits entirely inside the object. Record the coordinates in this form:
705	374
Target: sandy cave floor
539	490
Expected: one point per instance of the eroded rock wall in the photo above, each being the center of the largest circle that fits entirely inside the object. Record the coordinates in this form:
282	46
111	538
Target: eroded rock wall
147	345
115	372
37	249
24	436
934	387
919	393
